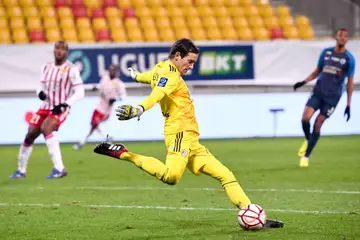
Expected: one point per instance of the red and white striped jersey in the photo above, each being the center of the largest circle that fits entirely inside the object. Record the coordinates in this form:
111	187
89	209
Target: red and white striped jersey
58	82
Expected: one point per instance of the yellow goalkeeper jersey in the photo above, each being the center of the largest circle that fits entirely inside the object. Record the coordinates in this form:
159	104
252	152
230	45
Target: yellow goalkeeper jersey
176	104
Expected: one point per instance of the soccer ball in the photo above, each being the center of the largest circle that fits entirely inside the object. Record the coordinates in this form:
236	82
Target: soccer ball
252	217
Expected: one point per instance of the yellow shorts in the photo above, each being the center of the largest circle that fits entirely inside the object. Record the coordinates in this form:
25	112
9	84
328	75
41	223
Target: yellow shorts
185	150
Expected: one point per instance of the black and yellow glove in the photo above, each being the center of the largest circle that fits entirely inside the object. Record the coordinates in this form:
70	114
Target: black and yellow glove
126	112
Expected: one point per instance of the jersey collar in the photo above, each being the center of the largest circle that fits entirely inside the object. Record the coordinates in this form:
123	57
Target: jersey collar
171	64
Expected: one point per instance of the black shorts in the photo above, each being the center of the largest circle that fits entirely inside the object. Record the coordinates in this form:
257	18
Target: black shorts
325	105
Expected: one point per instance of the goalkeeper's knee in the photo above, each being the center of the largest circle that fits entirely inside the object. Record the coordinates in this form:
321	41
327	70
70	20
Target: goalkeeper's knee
228	179
225	176
171	177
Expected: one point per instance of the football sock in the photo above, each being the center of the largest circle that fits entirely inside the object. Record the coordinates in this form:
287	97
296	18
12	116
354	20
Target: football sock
82	142
306	129
98	130
88	135
53	146
228	181
236	194
24	155
85	139
312	142
150	165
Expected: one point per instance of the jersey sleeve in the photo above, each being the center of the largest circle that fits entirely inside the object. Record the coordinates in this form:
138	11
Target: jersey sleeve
320	64
78	91
102	88
75	77
351	70
144	77
167	82
41	86
155	96
121	90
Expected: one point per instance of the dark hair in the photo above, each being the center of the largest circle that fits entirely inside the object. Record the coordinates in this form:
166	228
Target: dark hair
341	30
117	68
183	46
63	42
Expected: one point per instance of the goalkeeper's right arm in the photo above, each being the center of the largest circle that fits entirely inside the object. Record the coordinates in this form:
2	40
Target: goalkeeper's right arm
144	77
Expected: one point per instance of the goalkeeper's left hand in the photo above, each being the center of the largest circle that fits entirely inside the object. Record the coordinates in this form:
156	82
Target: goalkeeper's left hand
126	112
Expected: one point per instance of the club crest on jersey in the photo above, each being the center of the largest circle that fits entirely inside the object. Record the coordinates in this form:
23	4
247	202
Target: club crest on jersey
63	70
342	61
162	82
184	153
155	77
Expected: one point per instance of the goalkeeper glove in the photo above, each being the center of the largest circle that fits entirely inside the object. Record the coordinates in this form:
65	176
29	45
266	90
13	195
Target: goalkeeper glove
126	112
58	109
299	84
347	113
133	73
42	96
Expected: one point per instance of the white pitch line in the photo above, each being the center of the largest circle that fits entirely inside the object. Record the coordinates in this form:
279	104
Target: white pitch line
162	208
216	189
121	188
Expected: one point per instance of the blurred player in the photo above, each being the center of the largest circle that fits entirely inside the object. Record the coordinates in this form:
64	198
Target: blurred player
334	65
181	127
60	87
111	89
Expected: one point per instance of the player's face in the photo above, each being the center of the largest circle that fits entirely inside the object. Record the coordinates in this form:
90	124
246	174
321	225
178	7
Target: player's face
341	38
186	63
60	51
112	71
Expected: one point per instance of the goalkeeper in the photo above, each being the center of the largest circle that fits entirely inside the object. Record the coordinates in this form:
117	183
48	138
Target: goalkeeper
181	128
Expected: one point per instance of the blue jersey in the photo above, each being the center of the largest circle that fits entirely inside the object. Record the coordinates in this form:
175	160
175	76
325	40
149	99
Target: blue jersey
334	68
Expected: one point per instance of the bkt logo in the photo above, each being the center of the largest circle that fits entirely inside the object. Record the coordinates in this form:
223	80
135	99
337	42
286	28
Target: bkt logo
141	62
222	63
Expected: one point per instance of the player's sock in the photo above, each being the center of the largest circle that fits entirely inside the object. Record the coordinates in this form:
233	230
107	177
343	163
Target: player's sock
228	181
312	142
93	128
236	194
98	130
24	155
53	146
306	129
150	165
82	142
304	162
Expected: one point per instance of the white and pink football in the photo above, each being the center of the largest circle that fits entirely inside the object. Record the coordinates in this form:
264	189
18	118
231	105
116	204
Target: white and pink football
252	217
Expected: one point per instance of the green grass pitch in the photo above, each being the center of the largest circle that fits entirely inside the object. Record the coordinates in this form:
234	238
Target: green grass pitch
104	198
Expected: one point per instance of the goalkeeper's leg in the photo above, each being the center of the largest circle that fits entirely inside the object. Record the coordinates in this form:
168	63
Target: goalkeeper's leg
217	170
204	162
169	173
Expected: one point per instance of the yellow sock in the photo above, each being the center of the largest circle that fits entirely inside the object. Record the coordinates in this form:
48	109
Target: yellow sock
150	165
228	181
236	194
